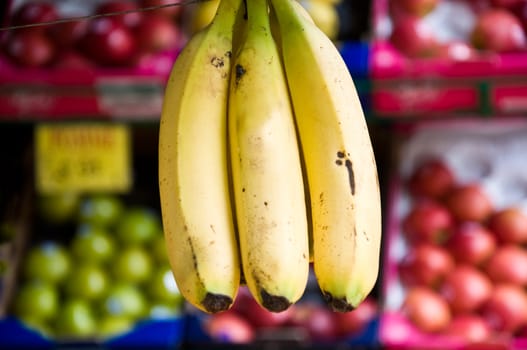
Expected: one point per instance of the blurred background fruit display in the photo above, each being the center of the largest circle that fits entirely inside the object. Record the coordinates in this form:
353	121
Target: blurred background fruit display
94	268
124	40
132	38
307	323
454	252
457	29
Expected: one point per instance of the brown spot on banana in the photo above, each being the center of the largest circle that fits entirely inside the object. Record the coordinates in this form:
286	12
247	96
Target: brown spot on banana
240	72
342	159
217	62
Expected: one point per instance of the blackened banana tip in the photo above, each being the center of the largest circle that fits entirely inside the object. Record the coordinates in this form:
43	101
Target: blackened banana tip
274	303
215	303
337	304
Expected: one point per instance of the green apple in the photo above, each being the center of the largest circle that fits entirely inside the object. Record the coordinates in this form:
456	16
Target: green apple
158	247
38	299
133	264
162	286
88	281
48	261
76	319
138	225
101	209
124	299
112	325
92	243
58	207
36	324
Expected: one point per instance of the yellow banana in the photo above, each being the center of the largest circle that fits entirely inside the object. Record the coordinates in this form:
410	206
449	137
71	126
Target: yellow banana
339	161
193	168
266	169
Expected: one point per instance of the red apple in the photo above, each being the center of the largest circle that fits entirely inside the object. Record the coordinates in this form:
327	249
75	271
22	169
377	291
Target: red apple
471	328
471	243
457	51
317	320
427	221
426	309
498	30
67	34
509	225
30	48
425	264
353	322
418	8
33	12
520	11
508	4
72	60
508	264
173	11
506	309
130	19
431	178
259	317
108	42
229	327
466	289
479	6
156	33
469	203
414	38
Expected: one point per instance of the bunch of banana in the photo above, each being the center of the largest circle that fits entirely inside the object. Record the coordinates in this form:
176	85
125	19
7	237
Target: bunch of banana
266	164
194	184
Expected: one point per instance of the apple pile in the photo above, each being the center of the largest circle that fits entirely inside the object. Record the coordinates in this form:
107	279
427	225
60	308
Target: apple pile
309	321
464	270
458	29
104	41
111	273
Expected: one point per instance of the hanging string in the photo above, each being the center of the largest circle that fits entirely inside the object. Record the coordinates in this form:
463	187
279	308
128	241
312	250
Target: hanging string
107	14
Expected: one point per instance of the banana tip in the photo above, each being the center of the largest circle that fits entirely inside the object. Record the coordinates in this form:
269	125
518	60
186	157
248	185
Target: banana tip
274	303
215	303
337	304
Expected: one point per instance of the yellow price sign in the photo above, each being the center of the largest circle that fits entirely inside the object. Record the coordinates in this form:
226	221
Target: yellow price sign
82	157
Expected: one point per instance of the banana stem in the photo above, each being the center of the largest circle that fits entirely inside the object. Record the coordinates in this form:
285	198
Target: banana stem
258	15
226	14
286	13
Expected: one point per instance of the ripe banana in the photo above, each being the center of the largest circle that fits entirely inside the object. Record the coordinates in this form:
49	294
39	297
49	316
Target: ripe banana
266	169
339	160
193	168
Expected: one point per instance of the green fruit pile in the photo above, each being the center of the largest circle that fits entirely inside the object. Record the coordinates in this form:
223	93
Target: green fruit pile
111	273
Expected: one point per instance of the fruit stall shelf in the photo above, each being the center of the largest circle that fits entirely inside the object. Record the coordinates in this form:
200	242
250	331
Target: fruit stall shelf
124	94
415	87
47	94
439	244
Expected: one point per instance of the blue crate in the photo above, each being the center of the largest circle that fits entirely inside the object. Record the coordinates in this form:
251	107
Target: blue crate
159	334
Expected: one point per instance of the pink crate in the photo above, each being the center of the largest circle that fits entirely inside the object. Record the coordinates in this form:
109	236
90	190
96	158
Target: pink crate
405	86
52	94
